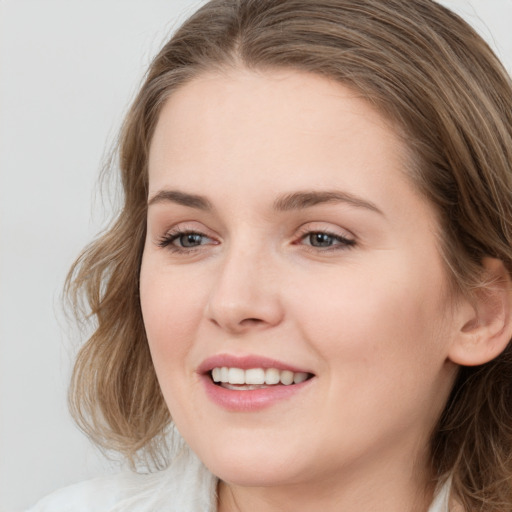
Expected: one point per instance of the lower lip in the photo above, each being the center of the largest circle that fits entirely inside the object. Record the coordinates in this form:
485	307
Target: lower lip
253	399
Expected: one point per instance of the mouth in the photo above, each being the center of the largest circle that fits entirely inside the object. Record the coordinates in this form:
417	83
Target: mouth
239	379
246	383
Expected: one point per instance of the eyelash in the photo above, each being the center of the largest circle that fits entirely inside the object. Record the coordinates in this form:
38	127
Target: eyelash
167	241
343	243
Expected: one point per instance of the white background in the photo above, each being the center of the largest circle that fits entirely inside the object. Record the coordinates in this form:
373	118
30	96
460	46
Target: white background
68	69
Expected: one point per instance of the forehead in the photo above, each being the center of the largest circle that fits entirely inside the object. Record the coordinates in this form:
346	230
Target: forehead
279	128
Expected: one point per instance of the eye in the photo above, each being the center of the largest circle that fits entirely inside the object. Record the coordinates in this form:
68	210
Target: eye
189	240
182	241
326	240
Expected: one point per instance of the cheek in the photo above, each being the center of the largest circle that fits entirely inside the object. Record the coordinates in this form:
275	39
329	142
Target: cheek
386	319
172	307
382	350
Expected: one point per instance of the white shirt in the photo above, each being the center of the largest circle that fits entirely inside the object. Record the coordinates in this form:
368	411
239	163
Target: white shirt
186	486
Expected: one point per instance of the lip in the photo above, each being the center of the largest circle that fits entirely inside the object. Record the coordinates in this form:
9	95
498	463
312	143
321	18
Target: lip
248	400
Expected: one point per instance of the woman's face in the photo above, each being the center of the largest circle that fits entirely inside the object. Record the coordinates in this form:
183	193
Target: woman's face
285	242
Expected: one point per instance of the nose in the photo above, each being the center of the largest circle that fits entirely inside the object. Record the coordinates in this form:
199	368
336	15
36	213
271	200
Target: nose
246	294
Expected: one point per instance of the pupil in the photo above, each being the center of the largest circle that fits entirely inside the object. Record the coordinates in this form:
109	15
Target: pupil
321	240
190	240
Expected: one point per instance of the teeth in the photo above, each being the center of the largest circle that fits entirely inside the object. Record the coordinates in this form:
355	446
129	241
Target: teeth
236	376
272	376
257	376
299	377
286	377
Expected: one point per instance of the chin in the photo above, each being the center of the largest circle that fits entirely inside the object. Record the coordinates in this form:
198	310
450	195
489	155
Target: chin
252	464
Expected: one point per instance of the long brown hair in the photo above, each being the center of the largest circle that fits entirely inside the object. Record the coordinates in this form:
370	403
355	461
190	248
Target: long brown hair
421	66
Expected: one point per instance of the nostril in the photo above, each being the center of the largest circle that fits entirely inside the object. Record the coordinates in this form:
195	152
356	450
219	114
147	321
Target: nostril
249	321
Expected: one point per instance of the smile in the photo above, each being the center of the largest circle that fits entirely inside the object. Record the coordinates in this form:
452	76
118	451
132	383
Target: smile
255	378
250	383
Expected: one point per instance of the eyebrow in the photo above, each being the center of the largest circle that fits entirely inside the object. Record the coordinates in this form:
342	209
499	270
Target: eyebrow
300	200
182	198
293	201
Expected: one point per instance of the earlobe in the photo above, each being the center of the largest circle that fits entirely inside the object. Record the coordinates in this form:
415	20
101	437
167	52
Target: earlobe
486	324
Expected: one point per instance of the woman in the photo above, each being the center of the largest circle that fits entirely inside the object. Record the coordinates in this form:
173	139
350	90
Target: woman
311	270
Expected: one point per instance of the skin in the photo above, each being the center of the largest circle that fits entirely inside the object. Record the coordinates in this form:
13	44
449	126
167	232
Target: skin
373	320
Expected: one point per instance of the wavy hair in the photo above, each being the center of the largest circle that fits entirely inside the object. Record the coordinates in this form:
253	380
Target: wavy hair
421	66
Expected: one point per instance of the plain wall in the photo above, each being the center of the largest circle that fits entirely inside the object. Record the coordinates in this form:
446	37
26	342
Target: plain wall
68	70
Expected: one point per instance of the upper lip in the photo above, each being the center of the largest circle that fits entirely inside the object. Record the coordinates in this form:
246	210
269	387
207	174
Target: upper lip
245	362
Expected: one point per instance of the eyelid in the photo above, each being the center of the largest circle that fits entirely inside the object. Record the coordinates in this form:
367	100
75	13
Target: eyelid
171	234
345	239
327	228
169	239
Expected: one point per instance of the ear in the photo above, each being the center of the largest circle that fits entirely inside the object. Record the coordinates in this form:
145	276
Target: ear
485	324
